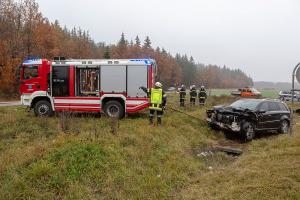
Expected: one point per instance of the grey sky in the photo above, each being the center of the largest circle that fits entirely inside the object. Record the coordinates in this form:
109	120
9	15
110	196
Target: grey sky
261	37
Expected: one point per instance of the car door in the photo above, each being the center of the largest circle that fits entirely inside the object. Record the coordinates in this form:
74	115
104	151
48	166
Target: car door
275	115
264	118
60	87
30	79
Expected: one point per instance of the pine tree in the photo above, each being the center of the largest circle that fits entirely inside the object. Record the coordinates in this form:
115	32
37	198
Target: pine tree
131	43
191	59
157	50
106	53
137	41
122	41
147	43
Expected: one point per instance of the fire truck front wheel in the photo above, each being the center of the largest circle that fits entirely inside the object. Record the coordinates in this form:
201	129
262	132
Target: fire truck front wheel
43	109
114	109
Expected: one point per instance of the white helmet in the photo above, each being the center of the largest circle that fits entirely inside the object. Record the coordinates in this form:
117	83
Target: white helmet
158	84
202	87
193	86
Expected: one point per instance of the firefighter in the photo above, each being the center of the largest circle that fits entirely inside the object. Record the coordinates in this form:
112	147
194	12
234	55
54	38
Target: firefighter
193	95
158	100
182	94
202	96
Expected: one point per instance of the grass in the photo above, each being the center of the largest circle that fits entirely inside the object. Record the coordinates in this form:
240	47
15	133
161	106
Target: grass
41	160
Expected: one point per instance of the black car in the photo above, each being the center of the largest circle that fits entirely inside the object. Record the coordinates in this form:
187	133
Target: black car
249	116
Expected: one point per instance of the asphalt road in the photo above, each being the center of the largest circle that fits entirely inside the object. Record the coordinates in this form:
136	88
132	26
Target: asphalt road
10	103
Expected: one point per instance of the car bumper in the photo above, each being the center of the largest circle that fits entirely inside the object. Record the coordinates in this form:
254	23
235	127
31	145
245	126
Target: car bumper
26	99
234	127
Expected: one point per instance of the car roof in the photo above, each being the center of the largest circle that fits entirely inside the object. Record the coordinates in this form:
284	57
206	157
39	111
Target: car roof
262	100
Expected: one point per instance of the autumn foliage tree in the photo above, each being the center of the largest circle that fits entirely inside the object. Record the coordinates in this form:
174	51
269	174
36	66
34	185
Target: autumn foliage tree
24	31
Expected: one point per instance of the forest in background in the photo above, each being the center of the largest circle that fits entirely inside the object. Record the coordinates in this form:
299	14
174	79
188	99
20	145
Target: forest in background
24	31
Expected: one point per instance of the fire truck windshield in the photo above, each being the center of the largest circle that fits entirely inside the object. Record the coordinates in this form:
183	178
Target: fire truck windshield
30	72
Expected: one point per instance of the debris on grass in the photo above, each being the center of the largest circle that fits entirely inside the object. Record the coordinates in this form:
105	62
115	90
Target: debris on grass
218	156
228	150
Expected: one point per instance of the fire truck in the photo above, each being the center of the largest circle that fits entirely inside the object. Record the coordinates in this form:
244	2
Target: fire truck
110	86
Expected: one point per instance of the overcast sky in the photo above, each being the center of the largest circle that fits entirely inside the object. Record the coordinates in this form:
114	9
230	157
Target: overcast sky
261	37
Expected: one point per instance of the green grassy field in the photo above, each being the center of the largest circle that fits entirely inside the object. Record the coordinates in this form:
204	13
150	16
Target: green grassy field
79	158
226	92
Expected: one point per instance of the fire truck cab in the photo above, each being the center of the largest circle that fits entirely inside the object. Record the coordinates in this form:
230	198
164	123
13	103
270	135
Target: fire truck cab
84	85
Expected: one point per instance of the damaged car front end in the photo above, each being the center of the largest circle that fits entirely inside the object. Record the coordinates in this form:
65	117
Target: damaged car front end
247	116
236	120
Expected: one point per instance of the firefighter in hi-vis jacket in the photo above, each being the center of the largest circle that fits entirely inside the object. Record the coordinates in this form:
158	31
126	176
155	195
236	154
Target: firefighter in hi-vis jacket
158	100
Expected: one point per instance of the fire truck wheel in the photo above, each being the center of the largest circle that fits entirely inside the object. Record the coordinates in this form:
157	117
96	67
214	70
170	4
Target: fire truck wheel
43	109
114	109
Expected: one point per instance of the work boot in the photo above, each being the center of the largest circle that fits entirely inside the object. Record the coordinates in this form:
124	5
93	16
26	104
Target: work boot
158	120
151	120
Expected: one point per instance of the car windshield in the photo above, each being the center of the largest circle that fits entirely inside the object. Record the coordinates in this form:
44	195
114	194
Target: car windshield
254	90
245	104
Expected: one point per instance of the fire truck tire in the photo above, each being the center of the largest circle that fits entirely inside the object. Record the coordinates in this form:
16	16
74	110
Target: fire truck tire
43	109
114	109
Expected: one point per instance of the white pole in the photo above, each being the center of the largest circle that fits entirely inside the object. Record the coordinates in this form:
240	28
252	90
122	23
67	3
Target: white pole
293	93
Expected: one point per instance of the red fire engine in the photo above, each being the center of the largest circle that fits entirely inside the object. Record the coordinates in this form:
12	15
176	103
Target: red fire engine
85	85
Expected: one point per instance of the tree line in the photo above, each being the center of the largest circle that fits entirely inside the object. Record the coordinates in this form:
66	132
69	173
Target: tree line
24	31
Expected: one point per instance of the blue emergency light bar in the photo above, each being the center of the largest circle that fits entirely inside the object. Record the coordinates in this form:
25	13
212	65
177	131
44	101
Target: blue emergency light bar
31	59
147	61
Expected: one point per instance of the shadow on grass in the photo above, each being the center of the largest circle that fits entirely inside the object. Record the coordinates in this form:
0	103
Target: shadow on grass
238	138
138	115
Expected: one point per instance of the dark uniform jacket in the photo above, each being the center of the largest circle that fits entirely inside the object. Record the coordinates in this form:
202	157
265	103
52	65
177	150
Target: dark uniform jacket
193	93
182	93
202	93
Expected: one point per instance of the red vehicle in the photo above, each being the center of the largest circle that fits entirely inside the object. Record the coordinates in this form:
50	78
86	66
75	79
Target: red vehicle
247	93
85	85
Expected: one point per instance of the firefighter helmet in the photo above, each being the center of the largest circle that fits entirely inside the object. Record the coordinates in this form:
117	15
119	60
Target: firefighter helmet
158	84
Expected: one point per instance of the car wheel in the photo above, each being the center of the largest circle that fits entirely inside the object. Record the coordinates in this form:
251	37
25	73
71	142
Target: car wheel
43	109
114	109
248	131
284	127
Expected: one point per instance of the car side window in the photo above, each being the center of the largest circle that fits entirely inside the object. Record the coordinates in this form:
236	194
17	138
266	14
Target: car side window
282	107
264	106
274	106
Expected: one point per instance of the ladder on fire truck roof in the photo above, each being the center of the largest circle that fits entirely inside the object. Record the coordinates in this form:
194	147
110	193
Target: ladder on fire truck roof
95	62
103	61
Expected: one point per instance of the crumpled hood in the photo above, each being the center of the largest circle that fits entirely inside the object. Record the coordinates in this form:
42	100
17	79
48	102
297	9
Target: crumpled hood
225	109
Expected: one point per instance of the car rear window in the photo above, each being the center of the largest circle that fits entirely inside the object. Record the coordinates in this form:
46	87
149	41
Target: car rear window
282	107
273	106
